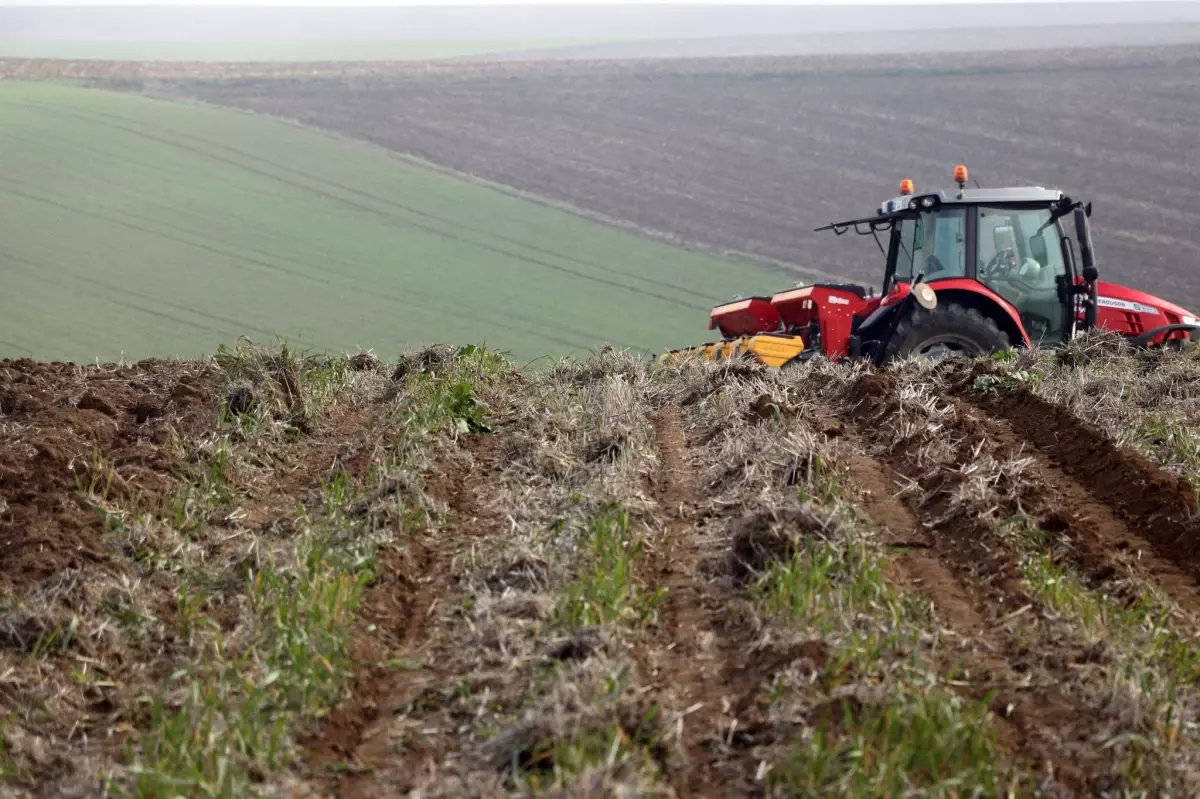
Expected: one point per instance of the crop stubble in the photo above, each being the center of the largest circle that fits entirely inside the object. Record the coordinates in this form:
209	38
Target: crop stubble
468	677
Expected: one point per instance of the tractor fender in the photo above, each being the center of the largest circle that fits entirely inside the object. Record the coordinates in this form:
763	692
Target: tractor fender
973	294
964	291
1144	339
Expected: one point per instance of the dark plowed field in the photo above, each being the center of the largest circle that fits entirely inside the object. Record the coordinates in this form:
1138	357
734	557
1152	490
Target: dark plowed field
751	154
268	574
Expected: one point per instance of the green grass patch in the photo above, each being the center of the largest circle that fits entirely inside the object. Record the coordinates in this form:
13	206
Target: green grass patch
824	581
930	743
836	588
153	228
1173	441
1145	624
607	588
900	730
925	739
236	709
1143	629
222	726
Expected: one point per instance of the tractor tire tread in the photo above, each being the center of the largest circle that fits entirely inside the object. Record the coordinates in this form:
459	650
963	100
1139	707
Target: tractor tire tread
948	317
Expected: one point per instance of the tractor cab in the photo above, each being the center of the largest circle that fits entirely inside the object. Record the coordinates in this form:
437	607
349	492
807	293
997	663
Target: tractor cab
1008	254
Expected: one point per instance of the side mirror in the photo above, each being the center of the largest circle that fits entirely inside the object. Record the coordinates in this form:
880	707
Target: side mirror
1083	235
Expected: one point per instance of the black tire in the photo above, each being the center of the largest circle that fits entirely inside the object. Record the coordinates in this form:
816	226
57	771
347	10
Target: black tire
949	330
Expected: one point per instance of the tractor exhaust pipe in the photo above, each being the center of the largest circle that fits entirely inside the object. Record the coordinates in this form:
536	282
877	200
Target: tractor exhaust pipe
1083	234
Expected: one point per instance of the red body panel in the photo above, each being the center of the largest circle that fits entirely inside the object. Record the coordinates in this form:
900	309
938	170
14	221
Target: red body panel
744	317
833	310
1131	312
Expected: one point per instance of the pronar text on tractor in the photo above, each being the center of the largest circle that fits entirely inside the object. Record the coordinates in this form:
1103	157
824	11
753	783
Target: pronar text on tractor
968	272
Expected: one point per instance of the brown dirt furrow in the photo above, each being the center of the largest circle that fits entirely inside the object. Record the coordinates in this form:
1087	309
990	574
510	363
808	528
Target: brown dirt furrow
401	608
396	605
1132	503
700	657
875	487
975	584
345	441
921	560
1088	504
955	536
333	446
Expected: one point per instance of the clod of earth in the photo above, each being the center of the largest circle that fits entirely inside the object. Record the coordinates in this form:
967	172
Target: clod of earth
240	400
765	537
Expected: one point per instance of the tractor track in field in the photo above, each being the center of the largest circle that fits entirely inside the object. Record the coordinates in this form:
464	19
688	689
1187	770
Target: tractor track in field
927	563
1091	503
950	556
401	607
1116	500
1121	520
704	664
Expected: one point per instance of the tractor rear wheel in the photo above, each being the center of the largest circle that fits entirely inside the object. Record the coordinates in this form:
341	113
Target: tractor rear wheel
949	330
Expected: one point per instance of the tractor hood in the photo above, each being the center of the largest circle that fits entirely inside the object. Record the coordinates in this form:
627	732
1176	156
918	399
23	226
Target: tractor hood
1155	311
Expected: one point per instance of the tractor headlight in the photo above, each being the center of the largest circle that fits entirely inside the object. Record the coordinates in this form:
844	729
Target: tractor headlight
925	296
1190	320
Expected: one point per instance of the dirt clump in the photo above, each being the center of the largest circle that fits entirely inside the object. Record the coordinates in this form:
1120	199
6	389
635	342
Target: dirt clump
770	536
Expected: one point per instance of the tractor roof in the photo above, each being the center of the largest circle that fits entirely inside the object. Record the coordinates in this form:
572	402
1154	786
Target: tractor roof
901	206
1017	194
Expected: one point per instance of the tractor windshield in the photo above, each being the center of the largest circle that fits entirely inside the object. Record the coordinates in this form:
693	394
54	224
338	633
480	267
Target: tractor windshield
933	244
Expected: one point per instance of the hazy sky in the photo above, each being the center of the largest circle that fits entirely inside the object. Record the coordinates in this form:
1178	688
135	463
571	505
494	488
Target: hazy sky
351	3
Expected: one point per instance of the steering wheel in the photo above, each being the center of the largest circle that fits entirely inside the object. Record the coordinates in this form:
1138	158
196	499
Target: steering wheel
1004	260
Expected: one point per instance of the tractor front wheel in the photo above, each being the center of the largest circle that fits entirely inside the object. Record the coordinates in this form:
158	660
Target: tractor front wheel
949	330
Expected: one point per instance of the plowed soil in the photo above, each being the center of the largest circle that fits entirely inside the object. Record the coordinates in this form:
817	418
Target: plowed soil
55	420
724	638
751	154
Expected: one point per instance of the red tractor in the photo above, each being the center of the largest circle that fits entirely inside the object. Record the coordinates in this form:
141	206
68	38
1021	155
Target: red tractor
969	271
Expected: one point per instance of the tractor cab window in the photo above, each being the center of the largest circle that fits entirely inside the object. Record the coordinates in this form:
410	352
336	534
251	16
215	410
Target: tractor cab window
933	244
1021	259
